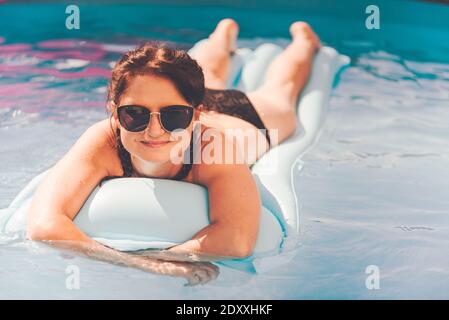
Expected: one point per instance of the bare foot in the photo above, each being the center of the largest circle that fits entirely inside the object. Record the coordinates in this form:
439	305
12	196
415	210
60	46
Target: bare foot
214	55
303	34
225	34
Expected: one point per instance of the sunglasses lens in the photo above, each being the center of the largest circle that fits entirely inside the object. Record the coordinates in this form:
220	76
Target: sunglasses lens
134	118
176	117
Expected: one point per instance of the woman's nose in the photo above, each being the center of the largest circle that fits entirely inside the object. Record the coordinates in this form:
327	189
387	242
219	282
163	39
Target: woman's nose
154	128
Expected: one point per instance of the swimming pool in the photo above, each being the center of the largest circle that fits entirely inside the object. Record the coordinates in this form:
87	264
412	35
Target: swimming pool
372	192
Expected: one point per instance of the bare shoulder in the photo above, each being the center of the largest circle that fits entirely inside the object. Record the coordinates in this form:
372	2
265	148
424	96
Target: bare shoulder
220	157
99	139
76	174
105	130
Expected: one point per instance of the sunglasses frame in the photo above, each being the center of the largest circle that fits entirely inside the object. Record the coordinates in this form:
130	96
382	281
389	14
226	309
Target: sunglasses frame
151	115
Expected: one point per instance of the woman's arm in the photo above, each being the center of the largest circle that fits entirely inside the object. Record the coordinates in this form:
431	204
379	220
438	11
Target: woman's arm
66	187
63	192
234	211
194	272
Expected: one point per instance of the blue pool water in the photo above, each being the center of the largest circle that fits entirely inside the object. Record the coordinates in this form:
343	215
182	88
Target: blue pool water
374	191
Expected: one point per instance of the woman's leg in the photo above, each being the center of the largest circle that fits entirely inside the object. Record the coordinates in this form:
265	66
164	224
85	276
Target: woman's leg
275	99
214	55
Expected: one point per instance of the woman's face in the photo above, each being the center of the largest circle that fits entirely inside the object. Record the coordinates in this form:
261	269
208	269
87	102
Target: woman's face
154	93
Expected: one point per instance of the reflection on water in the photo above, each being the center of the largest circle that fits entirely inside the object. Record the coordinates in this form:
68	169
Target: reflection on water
64	74
373	192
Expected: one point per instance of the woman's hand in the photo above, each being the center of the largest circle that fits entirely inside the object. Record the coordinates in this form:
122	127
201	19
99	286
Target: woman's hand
194	272
188	265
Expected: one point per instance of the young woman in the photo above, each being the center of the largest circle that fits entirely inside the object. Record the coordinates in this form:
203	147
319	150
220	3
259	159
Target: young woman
153	92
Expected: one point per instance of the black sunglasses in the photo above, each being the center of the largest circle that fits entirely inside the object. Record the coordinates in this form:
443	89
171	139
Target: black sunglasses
136	118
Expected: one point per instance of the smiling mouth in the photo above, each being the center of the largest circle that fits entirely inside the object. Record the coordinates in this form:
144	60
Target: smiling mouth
154	144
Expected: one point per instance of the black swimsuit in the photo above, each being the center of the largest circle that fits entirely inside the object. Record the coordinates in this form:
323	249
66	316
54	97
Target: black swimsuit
231	102
234	103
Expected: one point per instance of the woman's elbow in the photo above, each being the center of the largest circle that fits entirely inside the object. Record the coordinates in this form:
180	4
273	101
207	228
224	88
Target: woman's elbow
243	248
41	231
38	233
243	253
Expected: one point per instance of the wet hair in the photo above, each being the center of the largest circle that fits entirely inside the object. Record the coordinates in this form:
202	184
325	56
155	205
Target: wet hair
159	59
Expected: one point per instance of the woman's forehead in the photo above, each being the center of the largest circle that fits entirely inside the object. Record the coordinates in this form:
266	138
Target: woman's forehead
151	91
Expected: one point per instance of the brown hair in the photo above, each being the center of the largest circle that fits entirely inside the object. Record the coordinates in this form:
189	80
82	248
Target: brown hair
156	58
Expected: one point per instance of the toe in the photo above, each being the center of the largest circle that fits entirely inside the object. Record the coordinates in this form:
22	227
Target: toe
228	24
226	34
298	26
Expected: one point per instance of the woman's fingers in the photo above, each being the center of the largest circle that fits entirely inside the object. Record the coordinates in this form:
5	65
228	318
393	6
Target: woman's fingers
212	270
198	277
201	273
195	272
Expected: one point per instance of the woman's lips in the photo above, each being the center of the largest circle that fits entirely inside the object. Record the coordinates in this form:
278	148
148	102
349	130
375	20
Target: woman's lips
154	144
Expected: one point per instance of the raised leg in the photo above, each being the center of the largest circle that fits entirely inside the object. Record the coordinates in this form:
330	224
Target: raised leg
214	55
275	99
